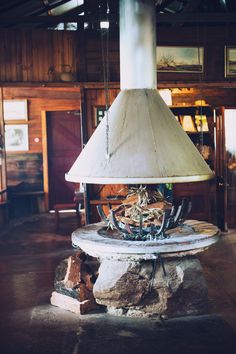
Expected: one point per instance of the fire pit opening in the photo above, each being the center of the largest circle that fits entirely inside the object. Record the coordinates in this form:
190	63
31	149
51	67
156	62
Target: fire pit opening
147	213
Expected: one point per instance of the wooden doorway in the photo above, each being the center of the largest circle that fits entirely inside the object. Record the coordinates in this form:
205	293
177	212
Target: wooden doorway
64	144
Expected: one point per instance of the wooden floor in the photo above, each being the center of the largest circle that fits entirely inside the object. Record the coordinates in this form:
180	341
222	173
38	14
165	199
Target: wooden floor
29	254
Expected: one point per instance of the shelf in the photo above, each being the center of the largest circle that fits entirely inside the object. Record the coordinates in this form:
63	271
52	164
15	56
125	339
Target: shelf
193	118
191	109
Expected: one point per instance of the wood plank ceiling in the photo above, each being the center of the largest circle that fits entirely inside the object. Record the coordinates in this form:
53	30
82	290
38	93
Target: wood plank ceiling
49	13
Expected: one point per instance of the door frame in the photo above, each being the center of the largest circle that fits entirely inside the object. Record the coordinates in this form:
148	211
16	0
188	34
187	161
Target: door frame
45	147
226	170
220	169
3	168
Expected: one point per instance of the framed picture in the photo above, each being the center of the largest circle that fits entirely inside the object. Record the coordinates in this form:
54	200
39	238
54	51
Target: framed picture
99	112
16	137
180	59
15	110
230	61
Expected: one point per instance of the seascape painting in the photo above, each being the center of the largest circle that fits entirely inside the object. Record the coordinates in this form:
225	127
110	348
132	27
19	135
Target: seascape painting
180	59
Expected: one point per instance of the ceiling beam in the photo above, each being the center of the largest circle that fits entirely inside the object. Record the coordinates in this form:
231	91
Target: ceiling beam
76	10
162	4
88	85
50	20
196	18
48	7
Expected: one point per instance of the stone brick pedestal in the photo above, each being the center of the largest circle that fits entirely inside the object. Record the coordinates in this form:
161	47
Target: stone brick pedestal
145	288
150	278
73	284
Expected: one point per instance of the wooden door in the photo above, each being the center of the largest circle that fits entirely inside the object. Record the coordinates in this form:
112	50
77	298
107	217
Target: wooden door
220	170
64	146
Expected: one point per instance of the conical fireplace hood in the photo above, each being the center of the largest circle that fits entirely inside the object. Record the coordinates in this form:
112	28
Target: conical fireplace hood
145	142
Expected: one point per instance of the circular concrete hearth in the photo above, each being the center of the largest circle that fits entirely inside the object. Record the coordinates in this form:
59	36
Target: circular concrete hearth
194	237
150	278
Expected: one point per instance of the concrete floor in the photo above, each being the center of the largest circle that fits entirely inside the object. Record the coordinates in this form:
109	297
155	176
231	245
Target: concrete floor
29	254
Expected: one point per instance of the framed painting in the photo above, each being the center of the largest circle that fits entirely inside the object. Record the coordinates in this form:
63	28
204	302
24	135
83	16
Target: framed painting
99	113
230	61
180	59
15	110
16	137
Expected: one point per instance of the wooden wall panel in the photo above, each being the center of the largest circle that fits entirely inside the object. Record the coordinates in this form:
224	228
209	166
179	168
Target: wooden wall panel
36	55
43	99
94	58
40	55
27	168
40	99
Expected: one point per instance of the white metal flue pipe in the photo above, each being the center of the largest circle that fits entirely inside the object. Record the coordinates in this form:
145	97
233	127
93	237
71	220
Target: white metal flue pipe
137	44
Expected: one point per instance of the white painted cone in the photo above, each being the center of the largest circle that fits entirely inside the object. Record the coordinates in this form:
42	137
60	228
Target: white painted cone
146	145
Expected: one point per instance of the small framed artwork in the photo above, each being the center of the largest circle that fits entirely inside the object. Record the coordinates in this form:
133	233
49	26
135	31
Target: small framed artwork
100	112
180	59
230	61
15	110
16	137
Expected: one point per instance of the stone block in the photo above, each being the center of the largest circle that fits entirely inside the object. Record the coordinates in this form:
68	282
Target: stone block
73	284
70	304
144	288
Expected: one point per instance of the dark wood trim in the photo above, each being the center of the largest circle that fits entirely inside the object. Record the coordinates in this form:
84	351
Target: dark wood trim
161	18
72	86
51	20
48	7
220	170
186	17
197	84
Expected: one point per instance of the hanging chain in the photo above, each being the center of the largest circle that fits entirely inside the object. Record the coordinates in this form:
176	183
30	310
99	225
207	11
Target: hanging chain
201	135
106	75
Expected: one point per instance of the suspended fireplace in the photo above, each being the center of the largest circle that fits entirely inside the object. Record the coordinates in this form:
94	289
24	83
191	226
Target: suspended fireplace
146	268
